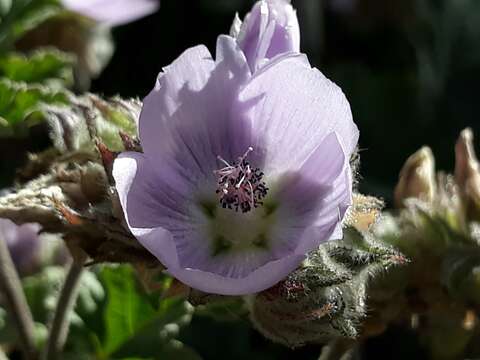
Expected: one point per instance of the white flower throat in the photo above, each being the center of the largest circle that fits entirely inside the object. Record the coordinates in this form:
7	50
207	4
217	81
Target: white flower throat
240	186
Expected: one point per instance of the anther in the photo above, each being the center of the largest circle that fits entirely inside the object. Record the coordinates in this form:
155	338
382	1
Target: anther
240	186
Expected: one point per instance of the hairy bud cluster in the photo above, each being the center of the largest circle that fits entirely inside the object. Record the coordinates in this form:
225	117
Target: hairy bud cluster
438	294
327	297
68	190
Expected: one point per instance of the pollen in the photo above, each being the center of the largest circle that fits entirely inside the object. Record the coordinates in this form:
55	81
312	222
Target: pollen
240	186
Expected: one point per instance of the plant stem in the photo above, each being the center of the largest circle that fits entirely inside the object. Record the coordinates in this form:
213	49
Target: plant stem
16	301
61	320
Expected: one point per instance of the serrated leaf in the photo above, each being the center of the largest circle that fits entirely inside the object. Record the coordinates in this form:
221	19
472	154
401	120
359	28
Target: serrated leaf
48	67
21	104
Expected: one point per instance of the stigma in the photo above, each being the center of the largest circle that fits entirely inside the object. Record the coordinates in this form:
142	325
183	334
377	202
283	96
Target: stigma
239	186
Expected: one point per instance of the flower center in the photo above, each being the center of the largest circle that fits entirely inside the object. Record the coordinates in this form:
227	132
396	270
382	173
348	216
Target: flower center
240	186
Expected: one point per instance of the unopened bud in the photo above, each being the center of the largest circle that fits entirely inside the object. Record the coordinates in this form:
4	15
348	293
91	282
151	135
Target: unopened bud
94	182
467	174
417	178
325	299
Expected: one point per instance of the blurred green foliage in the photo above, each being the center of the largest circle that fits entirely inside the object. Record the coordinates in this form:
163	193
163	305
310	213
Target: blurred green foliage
27	82
21	102
50	67
19	16
115	317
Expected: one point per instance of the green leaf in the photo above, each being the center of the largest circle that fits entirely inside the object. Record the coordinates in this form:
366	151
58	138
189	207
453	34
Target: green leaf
138	324
156	335
48	67
126	310
21	104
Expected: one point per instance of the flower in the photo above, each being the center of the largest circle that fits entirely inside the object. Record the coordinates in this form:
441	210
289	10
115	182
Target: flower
112	12
22	241
241	174
270	29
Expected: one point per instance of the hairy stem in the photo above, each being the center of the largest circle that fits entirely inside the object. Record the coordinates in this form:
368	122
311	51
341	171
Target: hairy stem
61	320
16	301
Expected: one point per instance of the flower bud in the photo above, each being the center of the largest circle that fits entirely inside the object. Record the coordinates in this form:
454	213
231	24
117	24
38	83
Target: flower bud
270	29
467	174
417	178
326	298
23	243
94	182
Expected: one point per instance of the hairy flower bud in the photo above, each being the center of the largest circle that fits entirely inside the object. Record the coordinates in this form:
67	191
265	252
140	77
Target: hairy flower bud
467	174
326	298
417	178
90	118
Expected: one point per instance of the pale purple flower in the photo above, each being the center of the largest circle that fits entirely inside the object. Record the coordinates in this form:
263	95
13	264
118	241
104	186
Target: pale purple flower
242	174
113	12
270	29
22	241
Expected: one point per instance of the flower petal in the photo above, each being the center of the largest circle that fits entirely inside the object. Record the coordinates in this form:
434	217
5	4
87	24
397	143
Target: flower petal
151	197
270	29
22	240
190	71
258	280
296	108
191	109
316	197
113	12
159	242
150	200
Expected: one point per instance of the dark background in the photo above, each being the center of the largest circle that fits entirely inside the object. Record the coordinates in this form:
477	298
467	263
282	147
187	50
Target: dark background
410	68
